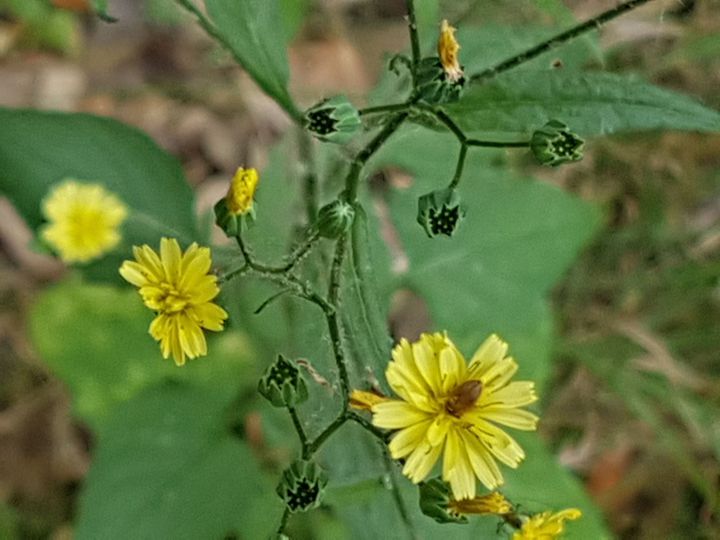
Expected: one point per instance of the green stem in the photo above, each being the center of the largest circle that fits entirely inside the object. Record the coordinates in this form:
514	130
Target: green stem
414	38
326	433
376	432
312	236
213	32
393	107
497	144
460	165
283	521
558	40
300	431
353	178
333	321
231	274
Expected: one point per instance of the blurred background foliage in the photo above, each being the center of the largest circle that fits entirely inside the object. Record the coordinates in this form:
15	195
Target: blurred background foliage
99	438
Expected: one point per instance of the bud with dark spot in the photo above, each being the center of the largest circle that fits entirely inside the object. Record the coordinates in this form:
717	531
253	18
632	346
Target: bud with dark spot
282	384
554	144
333	120
302	485
440	212
434	85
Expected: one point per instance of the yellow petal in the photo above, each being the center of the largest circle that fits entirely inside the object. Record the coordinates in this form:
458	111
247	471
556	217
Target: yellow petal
514	418
408	439
395	414
492	350
421	462
456	467
481	460
452	369
171	256
515	394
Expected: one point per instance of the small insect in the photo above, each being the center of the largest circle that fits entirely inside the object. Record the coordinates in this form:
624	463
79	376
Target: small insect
463	397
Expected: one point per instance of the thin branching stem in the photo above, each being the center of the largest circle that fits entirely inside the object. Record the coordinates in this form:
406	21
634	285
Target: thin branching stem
300	431
392	107
283	521
460	165
326	433
414	38
557	40
353	178
376	432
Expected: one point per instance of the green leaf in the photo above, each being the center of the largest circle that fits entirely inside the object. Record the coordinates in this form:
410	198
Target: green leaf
294	12
106	355
255	32
39	149
517	103
167	467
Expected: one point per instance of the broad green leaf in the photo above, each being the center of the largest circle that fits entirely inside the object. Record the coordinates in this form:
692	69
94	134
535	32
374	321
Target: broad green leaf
255	32
95	338
515	104
167	467
293	15
39	149
427	13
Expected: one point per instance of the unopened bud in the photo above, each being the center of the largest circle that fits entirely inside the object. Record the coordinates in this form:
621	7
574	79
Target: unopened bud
333	120
302	486
335	219
440	212
554	144
282	384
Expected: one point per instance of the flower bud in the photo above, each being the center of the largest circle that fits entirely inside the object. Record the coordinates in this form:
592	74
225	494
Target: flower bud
333	120
440	212
335	219
302	485
237	207
282	385
434	501
554	144
434	85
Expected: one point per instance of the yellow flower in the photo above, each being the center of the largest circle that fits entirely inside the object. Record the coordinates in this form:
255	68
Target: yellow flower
446	404
242	189
492	503
179	289
546	526
84	220
448	48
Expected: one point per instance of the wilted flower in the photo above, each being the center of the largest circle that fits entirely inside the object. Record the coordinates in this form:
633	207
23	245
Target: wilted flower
546	525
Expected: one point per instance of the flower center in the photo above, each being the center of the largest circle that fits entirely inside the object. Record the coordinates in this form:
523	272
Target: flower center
171	300
463	397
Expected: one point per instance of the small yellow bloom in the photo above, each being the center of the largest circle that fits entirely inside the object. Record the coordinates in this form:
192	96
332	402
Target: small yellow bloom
362	400
447	405
546	526
179	289
492	503
84	220
242	189
448	48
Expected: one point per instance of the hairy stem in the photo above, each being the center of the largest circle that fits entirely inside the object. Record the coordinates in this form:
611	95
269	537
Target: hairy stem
558	40
283	521
353	178
333	321
460	165
300	431
310	182
325	435
392	107
414	38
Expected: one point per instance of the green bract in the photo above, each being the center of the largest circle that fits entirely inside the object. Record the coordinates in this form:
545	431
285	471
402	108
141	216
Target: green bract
434	499
232	224
335	219
282	384
333	120
433	85
440	212
554	144
301	486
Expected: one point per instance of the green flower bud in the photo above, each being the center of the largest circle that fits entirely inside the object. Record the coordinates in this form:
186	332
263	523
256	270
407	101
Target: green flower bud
440	212
434	85
434	501
333	120
237	208
302	486
335	219
282	385
554	144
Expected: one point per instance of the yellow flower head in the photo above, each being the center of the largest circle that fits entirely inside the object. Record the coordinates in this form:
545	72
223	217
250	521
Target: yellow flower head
83	220
242	189
546	526
492	503
178	288
448	405
448	48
